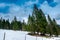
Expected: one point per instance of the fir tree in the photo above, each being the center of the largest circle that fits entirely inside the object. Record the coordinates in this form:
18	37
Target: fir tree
50	26
24	26
1	23
15	24
7	24
55	28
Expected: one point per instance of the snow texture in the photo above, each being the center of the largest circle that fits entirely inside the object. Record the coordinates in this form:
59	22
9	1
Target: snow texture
21	35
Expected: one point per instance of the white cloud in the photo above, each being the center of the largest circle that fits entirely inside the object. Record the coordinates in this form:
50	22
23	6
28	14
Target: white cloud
58	1
52	11
31	2
2	5
19	11
25	18
22	12
58	22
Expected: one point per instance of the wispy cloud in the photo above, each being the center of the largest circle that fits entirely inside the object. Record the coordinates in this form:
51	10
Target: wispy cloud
52	11
21	12
21	9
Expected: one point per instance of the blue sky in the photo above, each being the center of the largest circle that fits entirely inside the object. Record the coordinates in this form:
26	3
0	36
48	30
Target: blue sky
22	8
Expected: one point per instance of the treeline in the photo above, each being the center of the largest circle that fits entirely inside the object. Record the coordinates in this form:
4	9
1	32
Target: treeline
14	25
37	22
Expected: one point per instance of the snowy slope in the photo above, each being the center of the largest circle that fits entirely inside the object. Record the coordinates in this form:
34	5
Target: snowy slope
20	35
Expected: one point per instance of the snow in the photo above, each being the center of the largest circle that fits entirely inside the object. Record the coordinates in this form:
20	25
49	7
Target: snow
21	35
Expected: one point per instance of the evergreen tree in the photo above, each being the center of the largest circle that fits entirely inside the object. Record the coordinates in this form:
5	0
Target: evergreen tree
19	25
55	28
50	23
11	25
52	26
42	22
1	23
24	26
15	24
37	21
31	24
7	24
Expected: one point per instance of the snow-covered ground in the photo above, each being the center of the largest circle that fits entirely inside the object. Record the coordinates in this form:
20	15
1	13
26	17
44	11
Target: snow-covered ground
21	35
